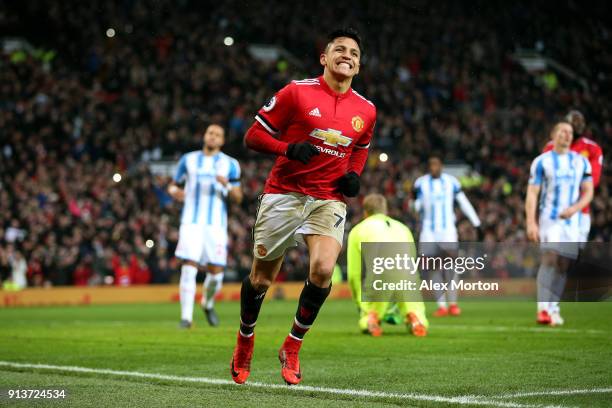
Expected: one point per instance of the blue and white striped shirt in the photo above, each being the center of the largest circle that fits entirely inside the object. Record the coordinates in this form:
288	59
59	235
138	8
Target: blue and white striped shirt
435	201
205	198
559	176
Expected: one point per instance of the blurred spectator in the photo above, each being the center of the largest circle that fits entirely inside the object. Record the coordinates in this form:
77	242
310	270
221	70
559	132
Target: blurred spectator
19	269
82	274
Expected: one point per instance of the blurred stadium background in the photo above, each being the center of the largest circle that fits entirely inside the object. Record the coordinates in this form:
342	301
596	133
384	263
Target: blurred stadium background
99	100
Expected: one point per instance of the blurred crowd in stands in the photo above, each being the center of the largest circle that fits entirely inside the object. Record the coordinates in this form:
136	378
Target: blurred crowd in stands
79	126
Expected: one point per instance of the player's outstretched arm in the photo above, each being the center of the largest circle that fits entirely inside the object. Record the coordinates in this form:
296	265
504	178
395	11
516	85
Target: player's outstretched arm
467	209
586	196
531	203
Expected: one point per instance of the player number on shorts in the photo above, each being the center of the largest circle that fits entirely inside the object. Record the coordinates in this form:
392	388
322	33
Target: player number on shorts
340	219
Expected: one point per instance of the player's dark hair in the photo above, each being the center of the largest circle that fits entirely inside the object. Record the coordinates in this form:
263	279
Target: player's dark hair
435	155
348	32
570	114
209	124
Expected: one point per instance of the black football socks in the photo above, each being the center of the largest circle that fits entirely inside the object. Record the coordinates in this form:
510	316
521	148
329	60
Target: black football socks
311	300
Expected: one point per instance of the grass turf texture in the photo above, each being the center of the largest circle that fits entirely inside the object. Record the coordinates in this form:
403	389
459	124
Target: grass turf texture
492	349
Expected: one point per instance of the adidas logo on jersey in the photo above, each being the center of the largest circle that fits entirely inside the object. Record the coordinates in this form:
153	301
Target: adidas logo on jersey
315	112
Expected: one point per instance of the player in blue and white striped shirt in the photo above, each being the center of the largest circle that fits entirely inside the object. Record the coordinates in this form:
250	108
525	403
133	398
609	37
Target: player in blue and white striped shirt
211	177
436	194
561	179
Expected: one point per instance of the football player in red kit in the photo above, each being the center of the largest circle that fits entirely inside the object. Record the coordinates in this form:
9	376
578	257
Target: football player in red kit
592	151
320	131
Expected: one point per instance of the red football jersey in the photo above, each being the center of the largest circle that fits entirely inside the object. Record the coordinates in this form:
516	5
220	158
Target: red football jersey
310	111
593	153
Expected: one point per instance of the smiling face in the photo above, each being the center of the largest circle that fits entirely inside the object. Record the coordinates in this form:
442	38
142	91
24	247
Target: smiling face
341	57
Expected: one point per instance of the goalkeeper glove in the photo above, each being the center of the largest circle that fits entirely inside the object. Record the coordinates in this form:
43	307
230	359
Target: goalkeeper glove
303	152
349	184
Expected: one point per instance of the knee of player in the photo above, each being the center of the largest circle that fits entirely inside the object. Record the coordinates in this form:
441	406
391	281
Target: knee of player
321	270
260	283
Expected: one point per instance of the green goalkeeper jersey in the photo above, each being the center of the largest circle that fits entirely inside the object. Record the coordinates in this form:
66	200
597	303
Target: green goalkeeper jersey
375	228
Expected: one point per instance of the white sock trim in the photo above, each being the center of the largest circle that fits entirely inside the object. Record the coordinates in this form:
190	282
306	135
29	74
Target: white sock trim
295	338
248	325
300	325
245	335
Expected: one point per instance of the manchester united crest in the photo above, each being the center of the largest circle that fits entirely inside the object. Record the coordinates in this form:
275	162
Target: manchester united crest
357	123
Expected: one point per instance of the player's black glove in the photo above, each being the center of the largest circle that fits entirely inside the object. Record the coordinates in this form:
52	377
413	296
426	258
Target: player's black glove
301	151
349	184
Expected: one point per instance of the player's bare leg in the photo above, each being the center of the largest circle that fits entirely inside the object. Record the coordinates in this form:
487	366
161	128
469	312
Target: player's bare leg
451	293
212	286
252	293
323	251
437	278
551	283
451	276
187	291
557	288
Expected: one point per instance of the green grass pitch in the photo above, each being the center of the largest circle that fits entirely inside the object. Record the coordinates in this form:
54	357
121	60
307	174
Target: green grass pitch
482	358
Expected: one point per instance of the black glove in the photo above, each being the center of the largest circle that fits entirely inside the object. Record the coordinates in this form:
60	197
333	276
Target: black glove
301	151
349	184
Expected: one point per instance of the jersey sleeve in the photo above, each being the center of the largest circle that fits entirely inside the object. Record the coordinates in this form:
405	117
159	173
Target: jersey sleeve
276	114
366	138
596	162
234	173
467	208
181	170
587	175
537	172
456	186
417	189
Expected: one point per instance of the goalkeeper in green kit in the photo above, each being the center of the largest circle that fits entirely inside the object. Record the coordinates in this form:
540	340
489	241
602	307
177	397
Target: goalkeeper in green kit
377	226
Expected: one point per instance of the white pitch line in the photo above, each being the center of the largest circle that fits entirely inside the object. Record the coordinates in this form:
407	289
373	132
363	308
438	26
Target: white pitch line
460	400
516	328
556	392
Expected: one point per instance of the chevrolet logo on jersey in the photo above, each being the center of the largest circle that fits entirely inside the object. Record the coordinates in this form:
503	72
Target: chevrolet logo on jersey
331	137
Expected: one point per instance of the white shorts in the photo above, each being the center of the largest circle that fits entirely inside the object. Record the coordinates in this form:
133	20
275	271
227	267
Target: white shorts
431	242
202	244
283	219
557	236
